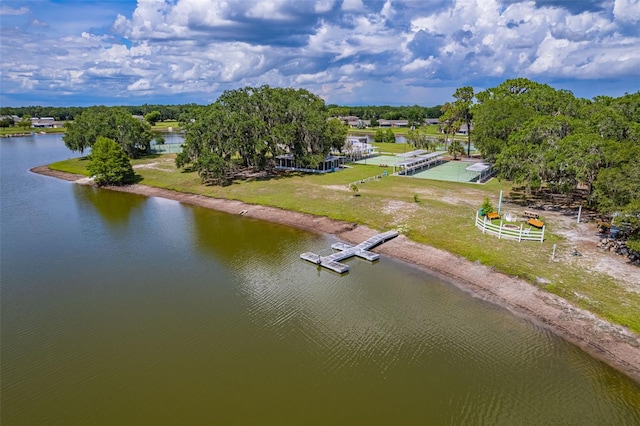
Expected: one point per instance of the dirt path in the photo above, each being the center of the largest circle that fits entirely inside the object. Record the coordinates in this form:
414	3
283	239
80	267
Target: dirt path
609	342
584	238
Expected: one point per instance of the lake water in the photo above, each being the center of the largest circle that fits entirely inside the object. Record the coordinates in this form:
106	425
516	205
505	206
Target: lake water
120	309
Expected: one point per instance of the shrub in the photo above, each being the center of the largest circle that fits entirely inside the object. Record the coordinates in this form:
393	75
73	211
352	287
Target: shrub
634	244
486	206
109	164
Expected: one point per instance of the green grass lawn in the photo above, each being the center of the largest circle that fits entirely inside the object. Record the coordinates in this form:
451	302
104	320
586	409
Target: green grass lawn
443	218
164	126
20	131
14	131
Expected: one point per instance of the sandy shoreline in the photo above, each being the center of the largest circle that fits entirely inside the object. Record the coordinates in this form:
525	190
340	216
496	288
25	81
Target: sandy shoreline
608	342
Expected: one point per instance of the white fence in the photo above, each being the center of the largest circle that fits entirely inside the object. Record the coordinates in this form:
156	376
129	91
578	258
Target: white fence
369	179
509	231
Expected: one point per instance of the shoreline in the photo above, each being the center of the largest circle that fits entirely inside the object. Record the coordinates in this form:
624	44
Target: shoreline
613	344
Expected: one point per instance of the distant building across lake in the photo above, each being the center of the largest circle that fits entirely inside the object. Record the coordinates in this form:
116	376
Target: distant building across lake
46	123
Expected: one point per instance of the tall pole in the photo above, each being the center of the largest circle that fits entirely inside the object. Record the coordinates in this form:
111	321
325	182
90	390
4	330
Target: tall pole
500	202
579	213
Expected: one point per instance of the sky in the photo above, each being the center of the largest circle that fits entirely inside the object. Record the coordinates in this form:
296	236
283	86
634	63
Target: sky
349	52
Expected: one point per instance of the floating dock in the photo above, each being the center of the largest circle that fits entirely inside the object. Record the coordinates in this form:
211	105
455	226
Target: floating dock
345	251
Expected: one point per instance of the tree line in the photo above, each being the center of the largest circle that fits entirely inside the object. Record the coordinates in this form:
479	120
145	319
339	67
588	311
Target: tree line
165	112
539	137
413	113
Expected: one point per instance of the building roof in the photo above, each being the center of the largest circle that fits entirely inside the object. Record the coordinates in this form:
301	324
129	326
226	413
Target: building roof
405	122
478	167
420	159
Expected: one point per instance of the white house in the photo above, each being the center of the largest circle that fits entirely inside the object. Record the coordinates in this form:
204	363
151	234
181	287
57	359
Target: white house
46	123
357	147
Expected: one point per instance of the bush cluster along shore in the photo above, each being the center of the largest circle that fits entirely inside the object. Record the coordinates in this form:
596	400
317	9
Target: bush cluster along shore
592	309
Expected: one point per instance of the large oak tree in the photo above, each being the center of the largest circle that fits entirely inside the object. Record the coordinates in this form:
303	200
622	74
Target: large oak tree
133	135
541	137
249	127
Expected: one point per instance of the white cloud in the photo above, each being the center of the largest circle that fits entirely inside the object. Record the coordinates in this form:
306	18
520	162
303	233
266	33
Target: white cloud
202	47
323	6
38	23
142	84
627	11
424	65
10	11
551	55
387	10
368	35
525	40
272	9
352	5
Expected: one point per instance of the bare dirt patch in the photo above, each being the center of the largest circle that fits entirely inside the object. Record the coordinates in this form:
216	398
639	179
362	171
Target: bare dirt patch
400	211
154	166
162	164
581	248
399	207
337	187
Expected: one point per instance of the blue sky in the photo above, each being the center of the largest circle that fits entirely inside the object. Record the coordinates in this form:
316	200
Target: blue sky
349	52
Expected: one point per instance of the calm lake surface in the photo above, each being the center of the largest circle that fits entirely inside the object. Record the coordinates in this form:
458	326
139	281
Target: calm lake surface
121	309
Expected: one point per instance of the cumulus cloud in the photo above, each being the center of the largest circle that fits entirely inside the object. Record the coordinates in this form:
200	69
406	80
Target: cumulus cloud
337	48
8	10
38	23
627	11
352	6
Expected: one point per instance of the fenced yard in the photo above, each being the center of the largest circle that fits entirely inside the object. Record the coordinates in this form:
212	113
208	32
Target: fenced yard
510	231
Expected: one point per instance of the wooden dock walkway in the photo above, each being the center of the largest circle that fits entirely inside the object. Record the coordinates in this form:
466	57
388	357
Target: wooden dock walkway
345	251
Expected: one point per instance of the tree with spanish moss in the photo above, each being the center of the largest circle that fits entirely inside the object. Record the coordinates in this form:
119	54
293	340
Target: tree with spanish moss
116	123
249	127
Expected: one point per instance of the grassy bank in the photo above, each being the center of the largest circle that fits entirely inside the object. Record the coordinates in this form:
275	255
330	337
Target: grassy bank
443	218
17	131
161	126
166	126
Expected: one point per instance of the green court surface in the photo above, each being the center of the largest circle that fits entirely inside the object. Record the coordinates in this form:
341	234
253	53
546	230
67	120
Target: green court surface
389	160
452	171
168	148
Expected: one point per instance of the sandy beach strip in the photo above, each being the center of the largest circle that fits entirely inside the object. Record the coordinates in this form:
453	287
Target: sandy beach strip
611	343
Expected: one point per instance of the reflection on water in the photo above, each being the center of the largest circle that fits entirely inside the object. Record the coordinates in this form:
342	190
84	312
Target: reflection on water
241	238
119	309
113	208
